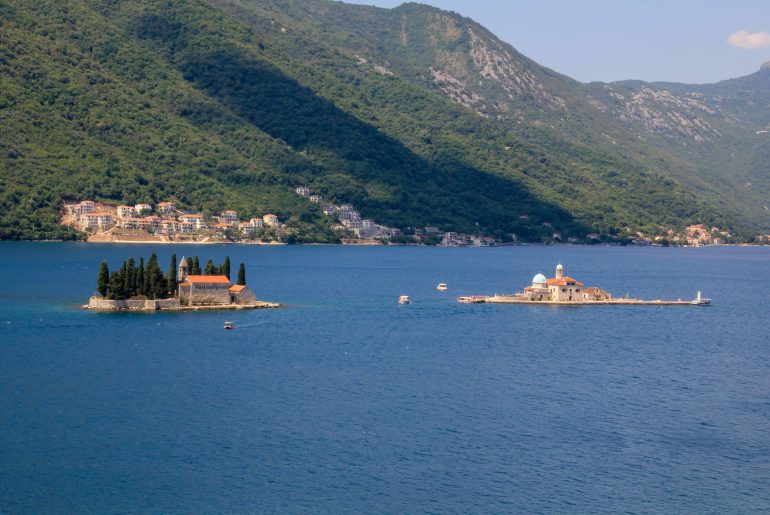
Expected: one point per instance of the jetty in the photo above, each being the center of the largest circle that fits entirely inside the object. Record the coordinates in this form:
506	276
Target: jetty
563	290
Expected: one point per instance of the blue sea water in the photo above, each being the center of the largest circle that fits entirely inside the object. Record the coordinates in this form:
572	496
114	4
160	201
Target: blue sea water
346	402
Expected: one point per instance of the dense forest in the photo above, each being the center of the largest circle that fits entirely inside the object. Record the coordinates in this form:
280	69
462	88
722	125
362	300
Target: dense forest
188	101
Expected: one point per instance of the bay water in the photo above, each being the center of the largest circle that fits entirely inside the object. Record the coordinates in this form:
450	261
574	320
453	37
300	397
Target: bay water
344	401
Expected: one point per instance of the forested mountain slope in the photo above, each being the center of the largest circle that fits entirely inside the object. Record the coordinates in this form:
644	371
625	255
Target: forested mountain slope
233	104
702	136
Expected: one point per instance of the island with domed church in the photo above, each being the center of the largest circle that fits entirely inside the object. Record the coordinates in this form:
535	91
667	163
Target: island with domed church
564	290
140	286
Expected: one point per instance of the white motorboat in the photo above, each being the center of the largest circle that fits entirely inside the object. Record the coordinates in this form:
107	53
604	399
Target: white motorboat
442	287
404	299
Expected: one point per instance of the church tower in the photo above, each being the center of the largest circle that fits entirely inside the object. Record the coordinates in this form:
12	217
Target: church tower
181	274
559	271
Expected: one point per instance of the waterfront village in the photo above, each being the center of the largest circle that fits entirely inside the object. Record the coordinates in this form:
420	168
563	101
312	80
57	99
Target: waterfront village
166	223
186	286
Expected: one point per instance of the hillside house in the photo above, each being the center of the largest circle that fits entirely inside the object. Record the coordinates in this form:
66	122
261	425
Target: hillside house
166	208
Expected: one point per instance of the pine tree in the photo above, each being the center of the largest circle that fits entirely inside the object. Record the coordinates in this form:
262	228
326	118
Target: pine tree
210	268
171	275
225	268
103	281
140	290
242	275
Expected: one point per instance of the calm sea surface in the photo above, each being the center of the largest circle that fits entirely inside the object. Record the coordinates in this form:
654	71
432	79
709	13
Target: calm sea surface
346	402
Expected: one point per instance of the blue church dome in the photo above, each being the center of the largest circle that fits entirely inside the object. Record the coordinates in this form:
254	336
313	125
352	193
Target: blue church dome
539	279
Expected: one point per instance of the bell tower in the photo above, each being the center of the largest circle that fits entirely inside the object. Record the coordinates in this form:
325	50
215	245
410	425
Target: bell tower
181	274
559	271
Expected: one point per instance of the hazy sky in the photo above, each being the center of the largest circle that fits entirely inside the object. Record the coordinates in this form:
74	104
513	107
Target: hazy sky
674	40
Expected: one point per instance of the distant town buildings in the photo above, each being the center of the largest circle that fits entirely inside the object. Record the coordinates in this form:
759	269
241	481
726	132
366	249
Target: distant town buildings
95	218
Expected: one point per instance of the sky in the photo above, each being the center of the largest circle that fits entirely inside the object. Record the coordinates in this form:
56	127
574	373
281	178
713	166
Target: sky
692	41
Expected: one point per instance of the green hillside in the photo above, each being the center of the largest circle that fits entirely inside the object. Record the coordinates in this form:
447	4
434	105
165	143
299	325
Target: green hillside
700	136
226	104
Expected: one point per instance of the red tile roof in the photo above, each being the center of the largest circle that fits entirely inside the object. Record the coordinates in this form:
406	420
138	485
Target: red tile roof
236	288
208	279
563	281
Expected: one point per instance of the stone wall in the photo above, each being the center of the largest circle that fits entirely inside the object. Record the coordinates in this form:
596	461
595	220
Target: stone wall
103	304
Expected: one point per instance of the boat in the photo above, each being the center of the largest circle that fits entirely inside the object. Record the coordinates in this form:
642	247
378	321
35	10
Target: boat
404	299
441	287
701	301
228	325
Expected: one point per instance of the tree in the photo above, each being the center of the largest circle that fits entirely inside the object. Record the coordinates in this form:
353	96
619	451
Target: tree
242	275
140	290
131	277
103	281
171	275
225	268
154	278
196	267
210	268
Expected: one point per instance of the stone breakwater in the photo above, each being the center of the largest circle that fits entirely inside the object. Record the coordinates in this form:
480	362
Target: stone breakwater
102	304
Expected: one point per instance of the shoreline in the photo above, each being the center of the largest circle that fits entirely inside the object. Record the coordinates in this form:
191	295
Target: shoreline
177	308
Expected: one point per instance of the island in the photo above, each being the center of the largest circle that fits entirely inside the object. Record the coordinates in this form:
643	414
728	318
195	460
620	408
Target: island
185	286
564	290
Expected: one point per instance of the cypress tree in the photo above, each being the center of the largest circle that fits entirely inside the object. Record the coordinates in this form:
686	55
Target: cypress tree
225	268
196	266
140	290
131	270
116	284
160	283
150	279
210	268
103	281
171	275
125	272
242	275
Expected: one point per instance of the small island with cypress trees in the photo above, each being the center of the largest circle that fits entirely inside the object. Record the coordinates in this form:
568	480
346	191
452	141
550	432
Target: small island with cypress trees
185	286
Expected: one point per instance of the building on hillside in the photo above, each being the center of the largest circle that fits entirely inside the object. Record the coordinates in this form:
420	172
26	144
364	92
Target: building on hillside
130	223
316	198
166	208
87	206
431	230
271	220
126	211
256	223
98	221
698	234
229	216
303	191
142	207
195	219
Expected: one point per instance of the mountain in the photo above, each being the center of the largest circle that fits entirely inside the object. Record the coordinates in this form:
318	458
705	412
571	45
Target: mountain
705	137
233	103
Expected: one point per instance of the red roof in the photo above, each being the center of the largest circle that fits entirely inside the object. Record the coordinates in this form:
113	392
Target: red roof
563	281
208	279
237	288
